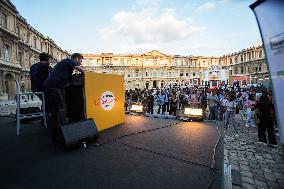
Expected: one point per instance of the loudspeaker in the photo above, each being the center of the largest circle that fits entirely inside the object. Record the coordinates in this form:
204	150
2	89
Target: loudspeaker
76	133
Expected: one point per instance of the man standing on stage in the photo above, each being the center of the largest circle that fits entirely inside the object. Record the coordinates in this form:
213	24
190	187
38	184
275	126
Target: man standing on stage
39	72
55	84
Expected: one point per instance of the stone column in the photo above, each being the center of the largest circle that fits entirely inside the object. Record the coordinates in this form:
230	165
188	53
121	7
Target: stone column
150	84
159	84
1	82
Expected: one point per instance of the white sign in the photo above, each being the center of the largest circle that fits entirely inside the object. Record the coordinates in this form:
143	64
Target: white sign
223	75
206	78
270	17
107	101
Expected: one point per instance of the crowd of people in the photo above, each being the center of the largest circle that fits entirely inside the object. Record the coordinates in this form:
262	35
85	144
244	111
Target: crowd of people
221	103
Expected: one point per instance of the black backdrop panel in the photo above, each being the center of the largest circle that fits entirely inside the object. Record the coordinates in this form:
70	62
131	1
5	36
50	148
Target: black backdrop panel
75	98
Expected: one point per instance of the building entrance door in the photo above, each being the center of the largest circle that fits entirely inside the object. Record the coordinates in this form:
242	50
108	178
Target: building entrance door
162	84
155	84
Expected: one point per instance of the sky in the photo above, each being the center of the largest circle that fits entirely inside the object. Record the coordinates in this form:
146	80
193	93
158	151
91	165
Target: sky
173	27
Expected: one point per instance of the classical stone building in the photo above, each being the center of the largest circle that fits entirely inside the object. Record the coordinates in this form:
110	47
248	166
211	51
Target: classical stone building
151	69
155	69
20	45
247	66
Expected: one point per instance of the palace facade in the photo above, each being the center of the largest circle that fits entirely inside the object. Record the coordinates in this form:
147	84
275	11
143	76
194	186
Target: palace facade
155	69
20	46
151	69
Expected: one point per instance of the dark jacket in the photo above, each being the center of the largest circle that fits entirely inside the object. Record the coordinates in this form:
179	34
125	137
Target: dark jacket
38	74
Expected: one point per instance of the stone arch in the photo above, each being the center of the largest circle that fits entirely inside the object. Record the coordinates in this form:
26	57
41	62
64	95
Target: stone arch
147	83
162	84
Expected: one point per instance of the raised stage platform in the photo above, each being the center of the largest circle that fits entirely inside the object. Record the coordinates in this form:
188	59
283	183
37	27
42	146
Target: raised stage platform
178	156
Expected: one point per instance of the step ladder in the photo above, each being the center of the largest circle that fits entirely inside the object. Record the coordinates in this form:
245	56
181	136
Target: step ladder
20	116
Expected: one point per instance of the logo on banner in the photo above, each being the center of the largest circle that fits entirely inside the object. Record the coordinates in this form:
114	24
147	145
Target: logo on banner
277	41
107	100
277	44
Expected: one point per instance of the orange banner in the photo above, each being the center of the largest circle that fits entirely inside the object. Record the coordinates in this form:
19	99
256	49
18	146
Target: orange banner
105	99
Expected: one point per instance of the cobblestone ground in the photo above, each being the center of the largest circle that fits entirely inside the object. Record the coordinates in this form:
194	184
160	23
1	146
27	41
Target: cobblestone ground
260	166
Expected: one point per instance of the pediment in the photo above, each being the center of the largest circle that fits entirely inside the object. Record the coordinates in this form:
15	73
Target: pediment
154	53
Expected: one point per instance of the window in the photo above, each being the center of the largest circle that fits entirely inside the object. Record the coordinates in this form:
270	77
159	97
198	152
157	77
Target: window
236	70
18	31
155	62
181	74
193	74
136	73
252	54
242	70
242	58
154	74
35	43
28	37
4	20
249	56
20	58
230	61
7	52
259	69
260	54
186	74
121	61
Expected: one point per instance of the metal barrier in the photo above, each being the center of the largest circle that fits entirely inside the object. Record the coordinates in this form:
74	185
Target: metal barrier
20	116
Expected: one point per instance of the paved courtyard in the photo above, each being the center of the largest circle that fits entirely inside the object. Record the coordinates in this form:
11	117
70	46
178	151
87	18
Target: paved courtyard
260	166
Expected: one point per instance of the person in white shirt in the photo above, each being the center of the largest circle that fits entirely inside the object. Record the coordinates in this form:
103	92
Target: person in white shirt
230	106
223	102
213	109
